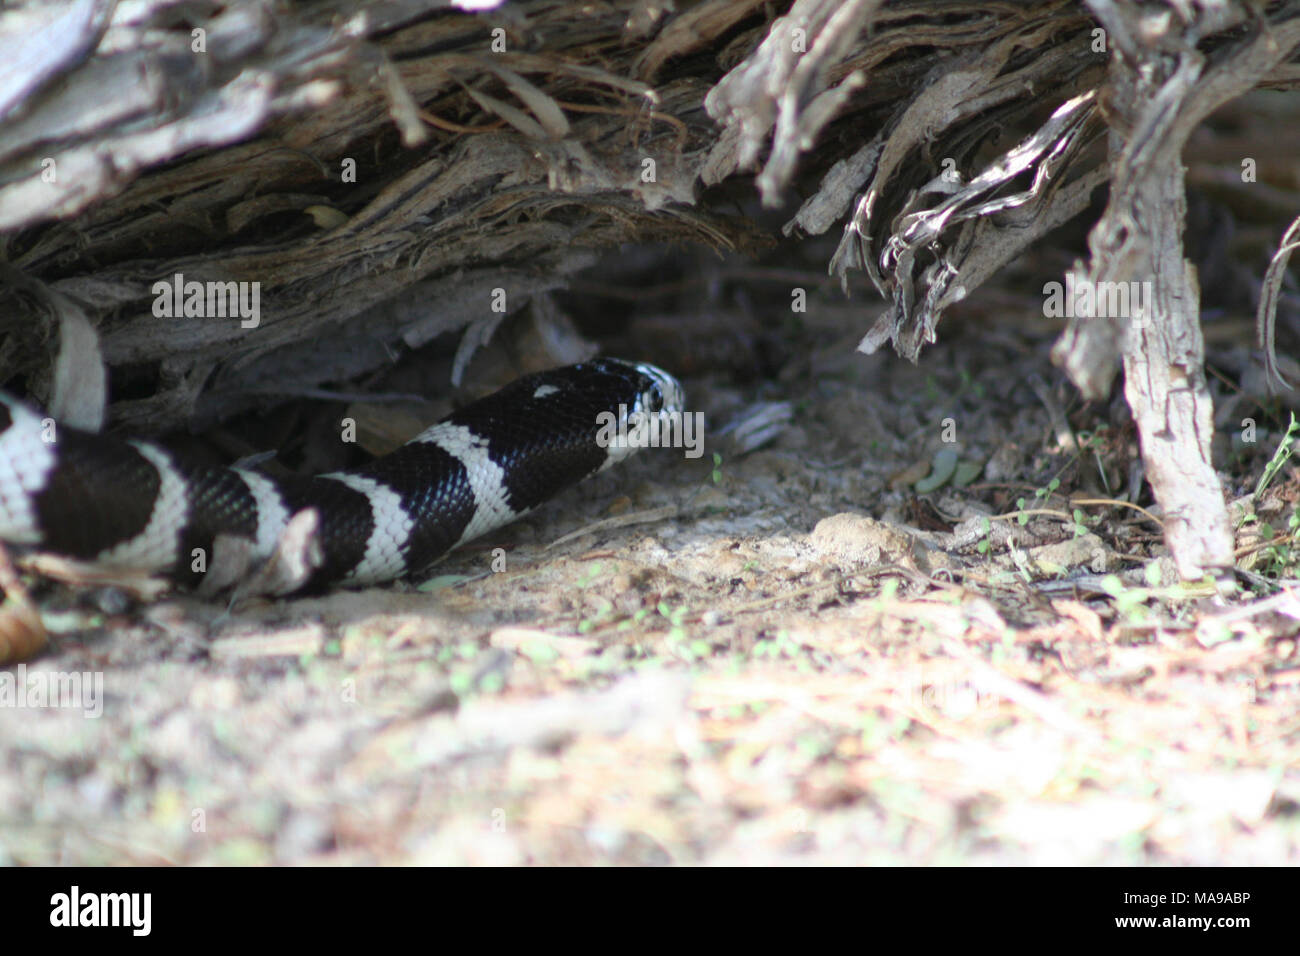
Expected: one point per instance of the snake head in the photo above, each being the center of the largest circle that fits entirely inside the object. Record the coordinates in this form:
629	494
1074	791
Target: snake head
660	394
654	415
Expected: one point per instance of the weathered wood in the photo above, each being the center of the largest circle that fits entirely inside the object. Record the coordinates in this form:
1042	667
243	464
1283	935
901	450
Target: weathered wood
1162	88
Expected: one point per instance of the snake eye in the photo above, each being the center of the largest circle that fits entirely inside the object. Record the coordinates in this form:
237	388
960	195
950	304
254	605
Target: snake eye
655	398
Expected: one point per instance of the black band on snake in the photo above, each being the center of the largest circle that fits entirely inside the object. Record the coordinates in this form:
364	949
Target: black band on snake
135	506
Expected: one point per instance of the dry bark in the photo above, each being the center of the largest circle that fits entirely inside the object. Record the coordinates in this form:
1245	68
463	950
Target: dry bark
528	161
1162	88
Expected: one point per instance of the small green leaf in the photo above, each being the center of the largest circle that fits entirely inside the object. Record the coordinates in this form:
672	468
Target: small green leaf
942	468
1112	585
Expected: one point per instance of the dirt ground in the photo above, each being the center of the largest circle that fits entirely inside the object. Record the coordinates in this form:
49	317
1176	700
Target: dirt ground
928	622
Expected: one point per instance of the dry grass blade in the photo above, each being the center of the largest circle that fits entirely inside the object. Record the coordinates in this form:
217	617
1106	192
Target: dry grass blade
1269	293
517	118
547	111
617	521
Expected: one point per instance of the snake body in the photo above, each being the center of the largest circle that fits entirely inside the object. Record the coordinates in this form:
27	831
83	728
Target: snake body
136	506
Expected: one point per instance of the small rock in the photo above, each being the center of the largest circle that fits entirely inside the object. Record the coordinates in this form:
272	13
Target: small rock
853	539
1076	554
